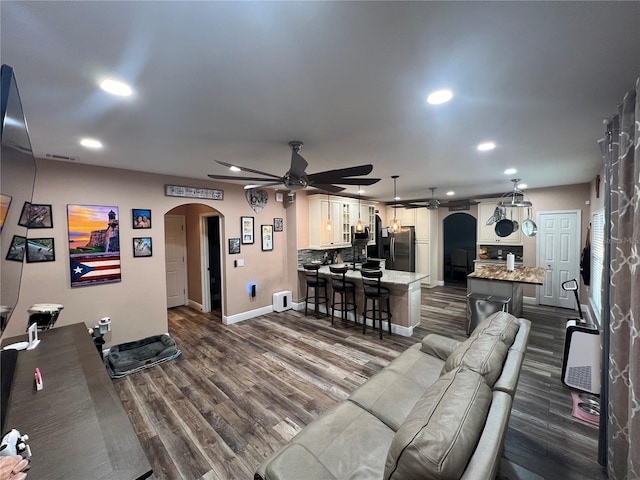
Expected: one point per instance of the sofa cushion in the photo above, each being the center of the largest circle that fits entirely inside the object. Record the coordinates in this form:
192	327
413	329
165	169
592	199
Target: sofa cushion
438	346
441	432
484	354
501	324
391	393
334	446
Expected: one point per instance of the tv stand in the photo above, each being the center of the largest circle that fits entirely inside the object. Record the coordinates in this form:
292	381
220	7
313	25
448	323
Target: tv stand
76	424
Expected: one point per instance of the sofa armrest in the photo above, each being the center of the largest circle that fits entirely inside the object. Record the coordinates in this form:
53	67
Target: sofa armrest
438	346
485	460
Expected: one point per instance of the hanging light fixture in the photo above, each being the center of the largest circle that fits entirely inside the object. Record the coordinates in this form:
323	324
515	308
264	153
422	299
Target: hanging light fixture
359	224
329	225
395	223
514	198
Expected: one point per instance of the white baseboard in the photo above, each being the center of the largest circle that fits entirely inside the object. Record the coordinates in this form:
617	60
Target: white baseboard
195	305
530	300
239	317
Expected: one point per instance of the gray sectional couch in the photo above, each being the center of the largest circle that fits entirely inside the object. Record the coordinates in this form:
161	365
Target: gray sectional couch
437	411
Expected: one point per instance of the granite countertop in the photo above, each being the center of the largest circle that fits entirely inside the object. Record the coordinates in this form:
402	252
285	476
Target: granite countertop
521	274
389	277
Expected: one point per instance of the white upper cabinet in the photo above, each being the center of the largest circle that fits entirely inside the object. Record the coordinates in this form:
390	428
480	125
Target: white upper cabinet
344	215
487	233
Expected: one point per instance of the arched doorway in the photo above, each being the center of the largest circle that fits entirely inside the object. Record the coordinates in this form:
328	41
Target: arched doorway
459	246
198	253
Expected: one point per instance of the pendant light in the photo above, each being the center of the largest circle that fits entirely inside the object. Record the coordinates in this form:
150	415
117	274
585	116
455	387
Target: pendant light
329	225
395	223
359	224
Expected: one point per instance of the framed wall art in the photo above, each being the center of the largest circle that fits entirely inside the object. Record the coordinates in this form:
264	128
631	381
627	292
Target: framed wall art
94	244
40	250
5	203
267	237
247	229
17	248
278	224
234	246
141	218
142	247
35	215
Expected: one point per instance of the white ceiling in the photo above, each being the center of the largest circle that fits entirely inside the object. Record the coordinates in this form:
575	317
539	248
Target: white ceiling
236	81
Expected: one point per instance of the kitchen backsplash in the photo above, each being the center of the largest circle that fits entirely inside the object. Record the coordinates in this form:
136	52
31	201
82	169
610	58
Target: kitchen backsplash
495	251
342	255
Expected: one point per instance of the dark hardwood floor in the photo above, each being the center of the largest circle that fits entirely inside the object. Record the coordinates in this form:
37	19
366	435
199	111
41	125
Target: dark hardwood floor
238	392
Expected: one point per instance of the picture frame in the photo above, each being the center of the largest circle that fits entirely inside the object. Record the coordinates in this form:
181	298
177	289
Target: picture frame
142	247
35	215
140	218
5	203
267	237
234	246
16	248
278	224
279	197
247	230
40	250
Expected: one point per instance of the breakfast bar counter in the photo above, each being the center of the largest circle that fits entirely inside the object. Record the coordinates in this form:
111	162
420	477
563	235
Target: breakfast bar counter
495	279
405	295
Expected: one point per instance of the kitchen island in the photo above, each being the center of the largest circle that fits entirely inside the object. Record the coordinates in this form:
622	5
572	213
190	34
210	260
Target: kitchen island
405	296
495	279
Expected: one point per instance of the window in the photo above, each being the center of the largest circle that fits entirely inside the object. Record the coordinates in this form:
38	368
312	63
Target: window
597	261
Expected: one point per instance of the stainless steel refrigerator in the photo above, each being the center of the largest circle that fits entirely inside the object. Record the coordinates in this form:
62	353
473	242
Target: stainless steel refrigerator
399	250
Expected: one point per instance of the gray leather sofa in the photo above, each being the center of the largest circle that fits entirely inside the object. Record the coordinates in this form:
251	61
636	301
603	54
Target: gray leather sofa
437	411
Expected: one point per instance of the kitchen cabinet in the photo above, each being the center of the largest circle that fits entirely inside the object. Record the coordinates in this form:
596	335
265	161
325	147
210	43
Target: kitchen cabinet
487	234
344	214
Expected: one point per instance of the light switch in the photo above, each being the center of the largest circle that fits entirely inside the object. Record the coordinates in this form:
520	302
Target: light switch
239	262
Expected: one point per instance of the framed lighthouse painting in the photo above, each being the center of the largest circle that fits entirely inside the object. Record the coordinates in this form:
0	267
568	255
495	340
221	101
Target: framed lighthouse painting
94	244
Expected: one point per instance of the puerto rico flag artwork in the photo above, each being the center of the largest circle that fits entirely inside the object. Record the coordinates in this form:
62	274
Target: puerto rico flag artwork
94	244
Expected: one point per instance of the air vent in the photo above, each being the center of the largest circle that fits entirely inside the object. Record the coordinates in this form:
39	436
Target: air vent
61	157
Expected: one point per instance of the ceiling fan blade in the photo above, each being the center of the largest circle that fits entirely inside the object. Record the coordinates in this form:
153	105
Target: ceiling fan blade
247	169
326	176
350	181
270	184
298	165
242	179
328	188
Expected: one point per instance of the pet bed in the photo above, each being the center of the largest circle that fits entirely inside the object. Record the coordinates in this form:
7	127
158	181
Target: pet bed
131	357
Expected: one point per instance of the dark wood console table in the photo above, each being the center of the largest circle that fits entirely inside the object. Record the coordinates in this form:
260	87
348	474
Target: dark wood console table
76	424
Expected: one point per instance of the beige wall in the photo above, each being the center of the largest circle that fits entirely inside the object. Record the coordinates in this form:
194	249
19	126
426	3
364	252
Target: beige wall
137	304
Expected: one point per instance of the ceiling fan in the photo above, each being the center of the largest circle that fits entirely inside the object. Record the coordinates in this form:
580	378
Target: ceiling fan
433	203
296	177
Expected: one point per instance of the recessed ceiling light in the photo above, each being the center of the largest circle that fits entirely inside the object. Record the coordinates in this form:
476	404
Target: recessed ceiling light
439	96
233	168
486	146
91	143
510	171
360	192
116	87
396	198
522	186
451	193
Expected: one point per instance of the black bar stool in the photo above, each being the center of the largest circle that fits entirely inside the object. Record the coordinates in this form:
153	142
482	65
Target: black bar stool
376	293
342	287
314	281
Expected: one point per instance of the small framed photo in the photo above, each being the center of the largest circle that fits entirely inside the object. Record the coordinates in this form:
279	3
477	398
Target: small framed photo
279	197
246	229
267	237
141	218
40	250
35	215
17	248
142	247
234	246
278	224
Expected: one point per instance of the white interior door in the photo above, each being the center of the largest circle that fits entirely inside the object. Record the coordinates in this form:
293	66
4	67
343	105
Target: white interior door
175	257
559	254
